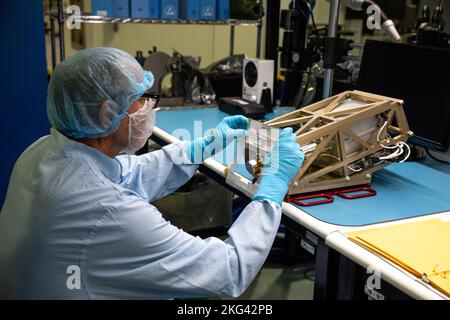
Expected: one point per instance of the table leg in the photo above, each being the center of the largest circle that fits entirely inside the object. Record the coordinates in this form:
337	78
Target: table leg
347	279
353	281
327	269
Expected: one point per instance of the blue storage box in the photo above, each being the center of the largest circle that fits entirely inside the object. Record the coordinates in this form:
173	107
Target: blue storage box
102	8
139	8
121	8
154	8
208	9
169	9
190	9
223	9
145	9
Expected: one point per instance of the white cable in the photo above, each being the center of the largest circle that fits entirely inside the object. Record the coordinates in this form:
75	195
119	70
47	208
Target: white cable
354	170
408	154
395	146
389	27
393	155
399	146
329	155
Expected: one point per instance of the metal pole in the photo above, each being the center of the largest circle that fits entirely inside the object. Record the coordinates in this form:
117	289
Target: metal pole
52	35
260	26
332	33
62	53
272	27
231	40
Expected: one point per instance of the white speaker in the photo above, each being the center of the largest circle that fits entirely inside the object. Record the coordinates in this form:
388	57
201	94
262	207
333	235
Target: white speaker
257	75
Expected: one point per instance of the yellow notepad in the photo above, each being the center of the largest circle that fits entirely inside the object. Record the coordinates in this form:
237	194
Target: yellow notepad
422	248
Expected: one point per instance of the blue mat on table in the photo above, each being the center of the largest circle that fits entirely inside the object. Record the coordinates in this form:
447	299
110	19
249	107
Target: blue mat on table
403	190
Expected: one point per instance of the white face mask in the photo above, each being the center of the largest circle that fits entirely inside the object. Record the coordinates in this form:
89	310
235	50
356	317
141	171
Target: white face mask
140	127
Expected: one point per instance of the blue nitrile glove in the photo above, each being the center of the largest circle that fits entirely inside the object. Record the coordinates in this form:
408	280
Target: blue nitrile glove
280	167
217	139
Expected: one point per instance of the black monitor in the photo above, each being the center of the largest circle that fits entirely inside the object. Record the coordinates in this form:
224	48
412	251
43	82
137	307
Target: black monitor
420	76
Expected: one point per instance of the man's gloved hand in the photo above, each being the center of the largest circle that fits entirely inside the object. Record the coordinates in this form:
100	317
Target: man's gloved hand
231	127
280	167
217	139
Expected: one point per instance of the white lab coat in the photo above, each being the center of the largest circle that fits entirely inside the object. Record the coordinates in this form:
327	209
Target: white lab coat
77	224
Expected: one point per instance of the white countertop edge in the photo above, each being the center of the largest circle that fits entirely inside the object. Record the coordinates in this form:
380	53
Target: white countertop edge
392	274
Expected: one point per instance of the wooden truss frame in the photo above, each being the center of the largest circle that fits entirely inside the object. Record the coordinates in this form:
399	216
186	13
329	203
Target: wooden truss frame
329	126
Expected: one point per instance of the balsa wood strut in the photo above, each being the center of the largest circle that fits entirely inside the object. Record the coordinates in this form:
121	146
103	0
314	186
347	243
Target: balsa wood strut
350	132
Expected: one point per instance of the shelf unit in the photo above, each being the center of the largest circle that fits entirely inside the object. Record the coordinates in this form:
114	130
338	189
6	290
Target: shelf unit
61	17
86	18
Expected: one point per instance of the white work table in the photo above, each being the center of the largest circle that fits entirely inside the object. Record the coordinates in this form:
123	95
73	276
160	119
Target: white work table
326	239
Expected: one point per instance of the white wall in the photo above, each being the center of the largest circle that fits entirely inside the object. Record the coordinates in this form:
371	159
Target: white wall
210	42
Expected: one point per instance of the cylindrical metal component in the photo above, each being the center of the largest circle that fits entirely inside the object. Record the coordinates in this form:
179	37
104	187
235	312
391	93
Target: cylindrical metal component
259	31
232	40
333	18
328	83
52	34
332	32
62	53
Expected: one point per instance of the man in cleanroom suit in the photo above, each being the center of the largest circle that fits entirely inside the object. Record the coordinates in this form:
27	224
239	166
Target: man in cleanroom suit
77	222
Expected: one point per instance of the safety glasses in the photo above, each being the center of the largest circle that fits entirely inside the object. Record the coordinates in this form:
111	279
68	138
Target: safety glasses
152	97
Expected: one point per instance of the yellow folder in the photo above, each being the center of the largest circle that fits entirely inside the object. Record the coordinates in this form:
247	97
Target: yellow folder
422	248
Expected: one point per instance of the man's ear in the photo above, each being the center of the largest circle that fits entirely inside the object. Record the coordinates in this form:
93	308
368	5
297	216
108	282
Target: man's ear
107	113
